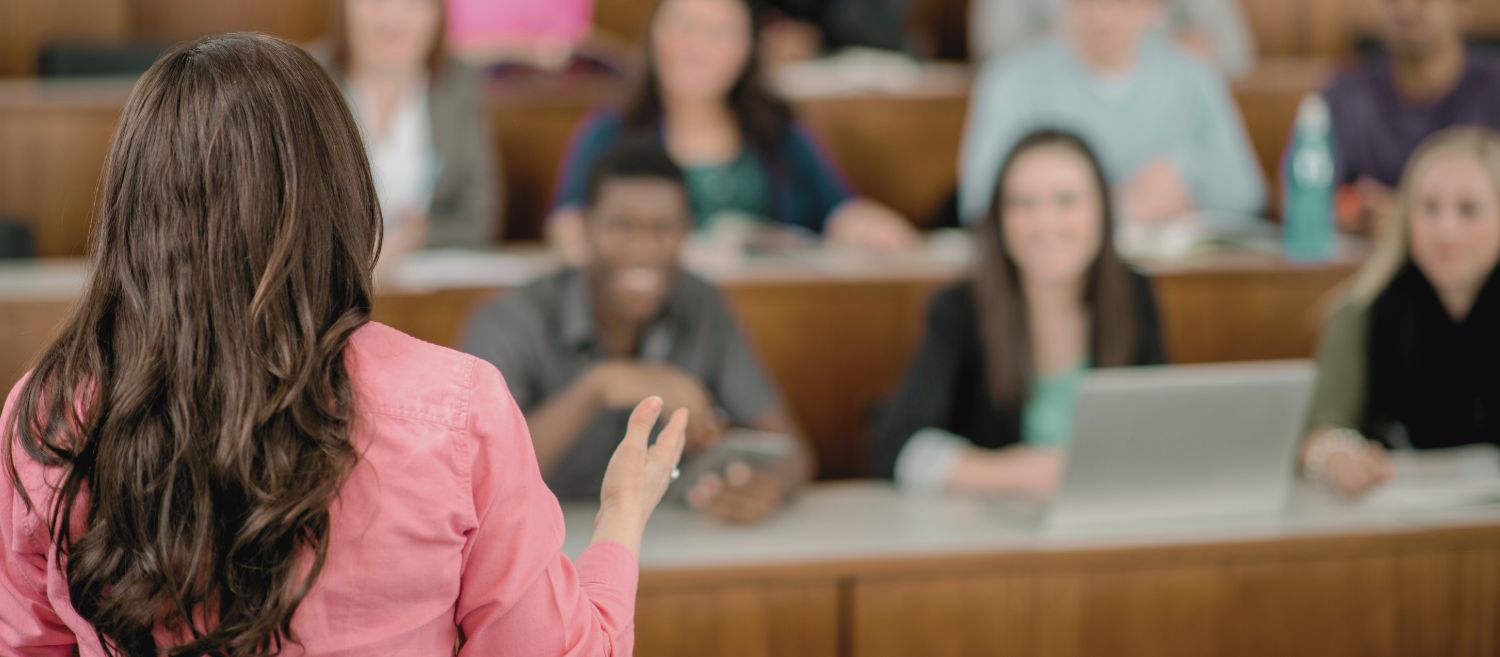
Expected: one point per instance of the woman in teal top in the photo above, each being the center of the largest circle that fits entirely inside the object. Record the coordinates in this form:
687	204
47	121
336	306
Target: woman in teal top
989	399
702	99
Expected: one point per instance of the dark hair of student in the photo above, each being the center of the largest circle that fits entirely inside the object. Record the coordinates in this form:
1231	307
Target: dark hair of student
338	39
633	158
1110	294
764	118
196	400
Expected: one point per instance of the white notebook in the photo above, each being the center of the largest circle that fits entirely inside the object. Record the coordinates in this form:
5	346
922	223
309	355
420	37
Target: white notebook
1437	479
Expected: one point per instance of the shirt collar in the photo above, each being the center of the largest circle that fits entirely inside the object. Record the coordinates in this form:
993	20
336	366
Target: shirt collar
580	330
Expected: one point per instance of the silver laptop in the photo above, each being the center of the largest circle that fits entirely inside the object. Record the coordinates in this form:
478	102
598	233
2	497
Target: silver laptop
1197	441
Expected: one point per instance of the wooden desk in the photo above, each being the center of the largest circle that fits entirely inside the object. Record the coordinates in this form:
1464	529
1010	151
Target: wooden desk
836	330
856	569
899	148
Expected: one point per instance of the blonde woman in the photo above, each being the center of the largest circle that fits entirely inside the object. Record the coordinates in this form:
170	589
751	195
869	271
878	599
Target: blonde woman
1411	359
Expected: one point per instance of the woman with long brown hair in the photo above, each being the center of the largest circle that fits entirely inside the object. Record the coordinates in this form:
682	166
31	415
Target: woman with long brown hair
702	99
221	454
989	397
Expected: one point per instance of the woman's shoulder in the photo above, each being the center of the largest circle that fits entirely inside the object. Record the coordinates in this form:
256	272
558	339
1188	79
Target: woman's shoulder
597	131
458	79
36	480
602	121
396	373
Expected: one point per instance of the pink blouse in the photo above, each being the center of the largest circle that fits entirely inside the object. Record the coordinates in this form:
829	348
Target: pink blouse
444	523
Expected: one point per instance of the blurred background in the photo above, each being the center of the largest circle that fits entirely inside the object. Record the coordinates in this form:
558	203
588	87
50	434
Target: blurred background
885	90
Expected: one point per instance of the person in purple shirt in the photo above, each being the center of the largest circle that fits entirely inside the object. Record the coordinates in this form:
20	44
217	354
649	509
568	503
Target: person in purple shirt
1427	79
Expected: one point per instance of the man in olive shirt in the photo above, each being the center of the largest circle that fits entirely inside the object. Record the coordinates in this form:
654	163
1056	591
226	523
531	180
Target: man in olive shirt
579	348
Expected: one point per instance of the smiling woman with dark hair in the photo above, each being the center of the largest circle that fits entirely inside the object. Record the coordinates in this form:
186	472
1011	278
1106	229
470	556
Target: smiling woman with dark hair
221	454
989	397
703	100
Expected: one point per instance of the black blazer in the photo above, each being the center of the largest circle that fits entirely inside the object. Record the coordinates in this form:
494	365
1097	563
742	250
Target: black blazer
947	386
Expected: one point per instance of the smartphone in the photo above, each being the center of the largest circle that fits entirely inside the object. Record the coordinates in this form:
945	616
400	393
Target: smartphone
761	450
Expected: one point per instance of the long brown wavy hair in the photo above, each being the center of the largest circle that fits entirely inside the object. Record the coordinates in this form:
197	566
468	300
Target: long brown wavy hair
197	401
1109	292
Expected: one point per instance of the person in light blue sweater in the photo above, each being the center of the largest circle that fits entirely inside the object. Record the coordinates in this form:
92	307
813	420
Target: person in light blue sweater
1163	122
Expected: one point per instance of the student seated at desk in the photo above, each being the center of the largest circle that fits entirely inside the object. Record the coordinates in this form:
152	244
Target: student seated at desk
744	155
1383	107
1162	121
989	398
1215	29
1412	356
423	118
578	348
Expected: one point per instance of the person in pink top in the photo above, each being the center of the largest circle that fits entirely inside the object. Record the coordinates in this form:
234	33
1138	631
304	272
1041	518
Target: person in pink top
548	36
221	454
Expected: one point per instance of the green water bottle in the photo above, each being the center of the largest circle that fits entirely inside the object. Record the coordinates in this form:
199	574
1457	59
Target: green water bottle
1307	206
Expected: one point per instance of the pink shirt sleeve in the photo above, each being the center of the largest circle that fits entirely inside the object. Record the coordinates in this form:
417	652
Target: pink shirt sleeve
28	624
520	595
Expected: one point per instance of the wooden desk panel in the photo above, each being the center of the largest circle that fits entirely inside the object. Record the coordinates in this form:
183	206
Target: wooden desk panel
1223	316
774	619
899	149
51	157
836	351
902	151
1334	586
26	328
25	25
1380	600
837	345
1450	600
1318	607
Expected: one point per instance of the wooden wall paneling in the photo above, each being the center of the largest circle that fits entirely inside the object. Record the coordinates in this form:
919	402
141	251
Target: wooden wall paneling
1209	317
532	125
50	164
1484	18
25	25
1334	27
837	350
438	317
1277	25
771	619
627	20
957	616
1064	613
25	330
1329	606
177	20
1449	602
1157	611
902	151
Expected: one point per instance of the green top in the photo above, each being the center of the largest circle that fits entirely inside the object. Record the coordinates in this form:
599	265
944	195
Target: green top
1339	396
739	187
1047	418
